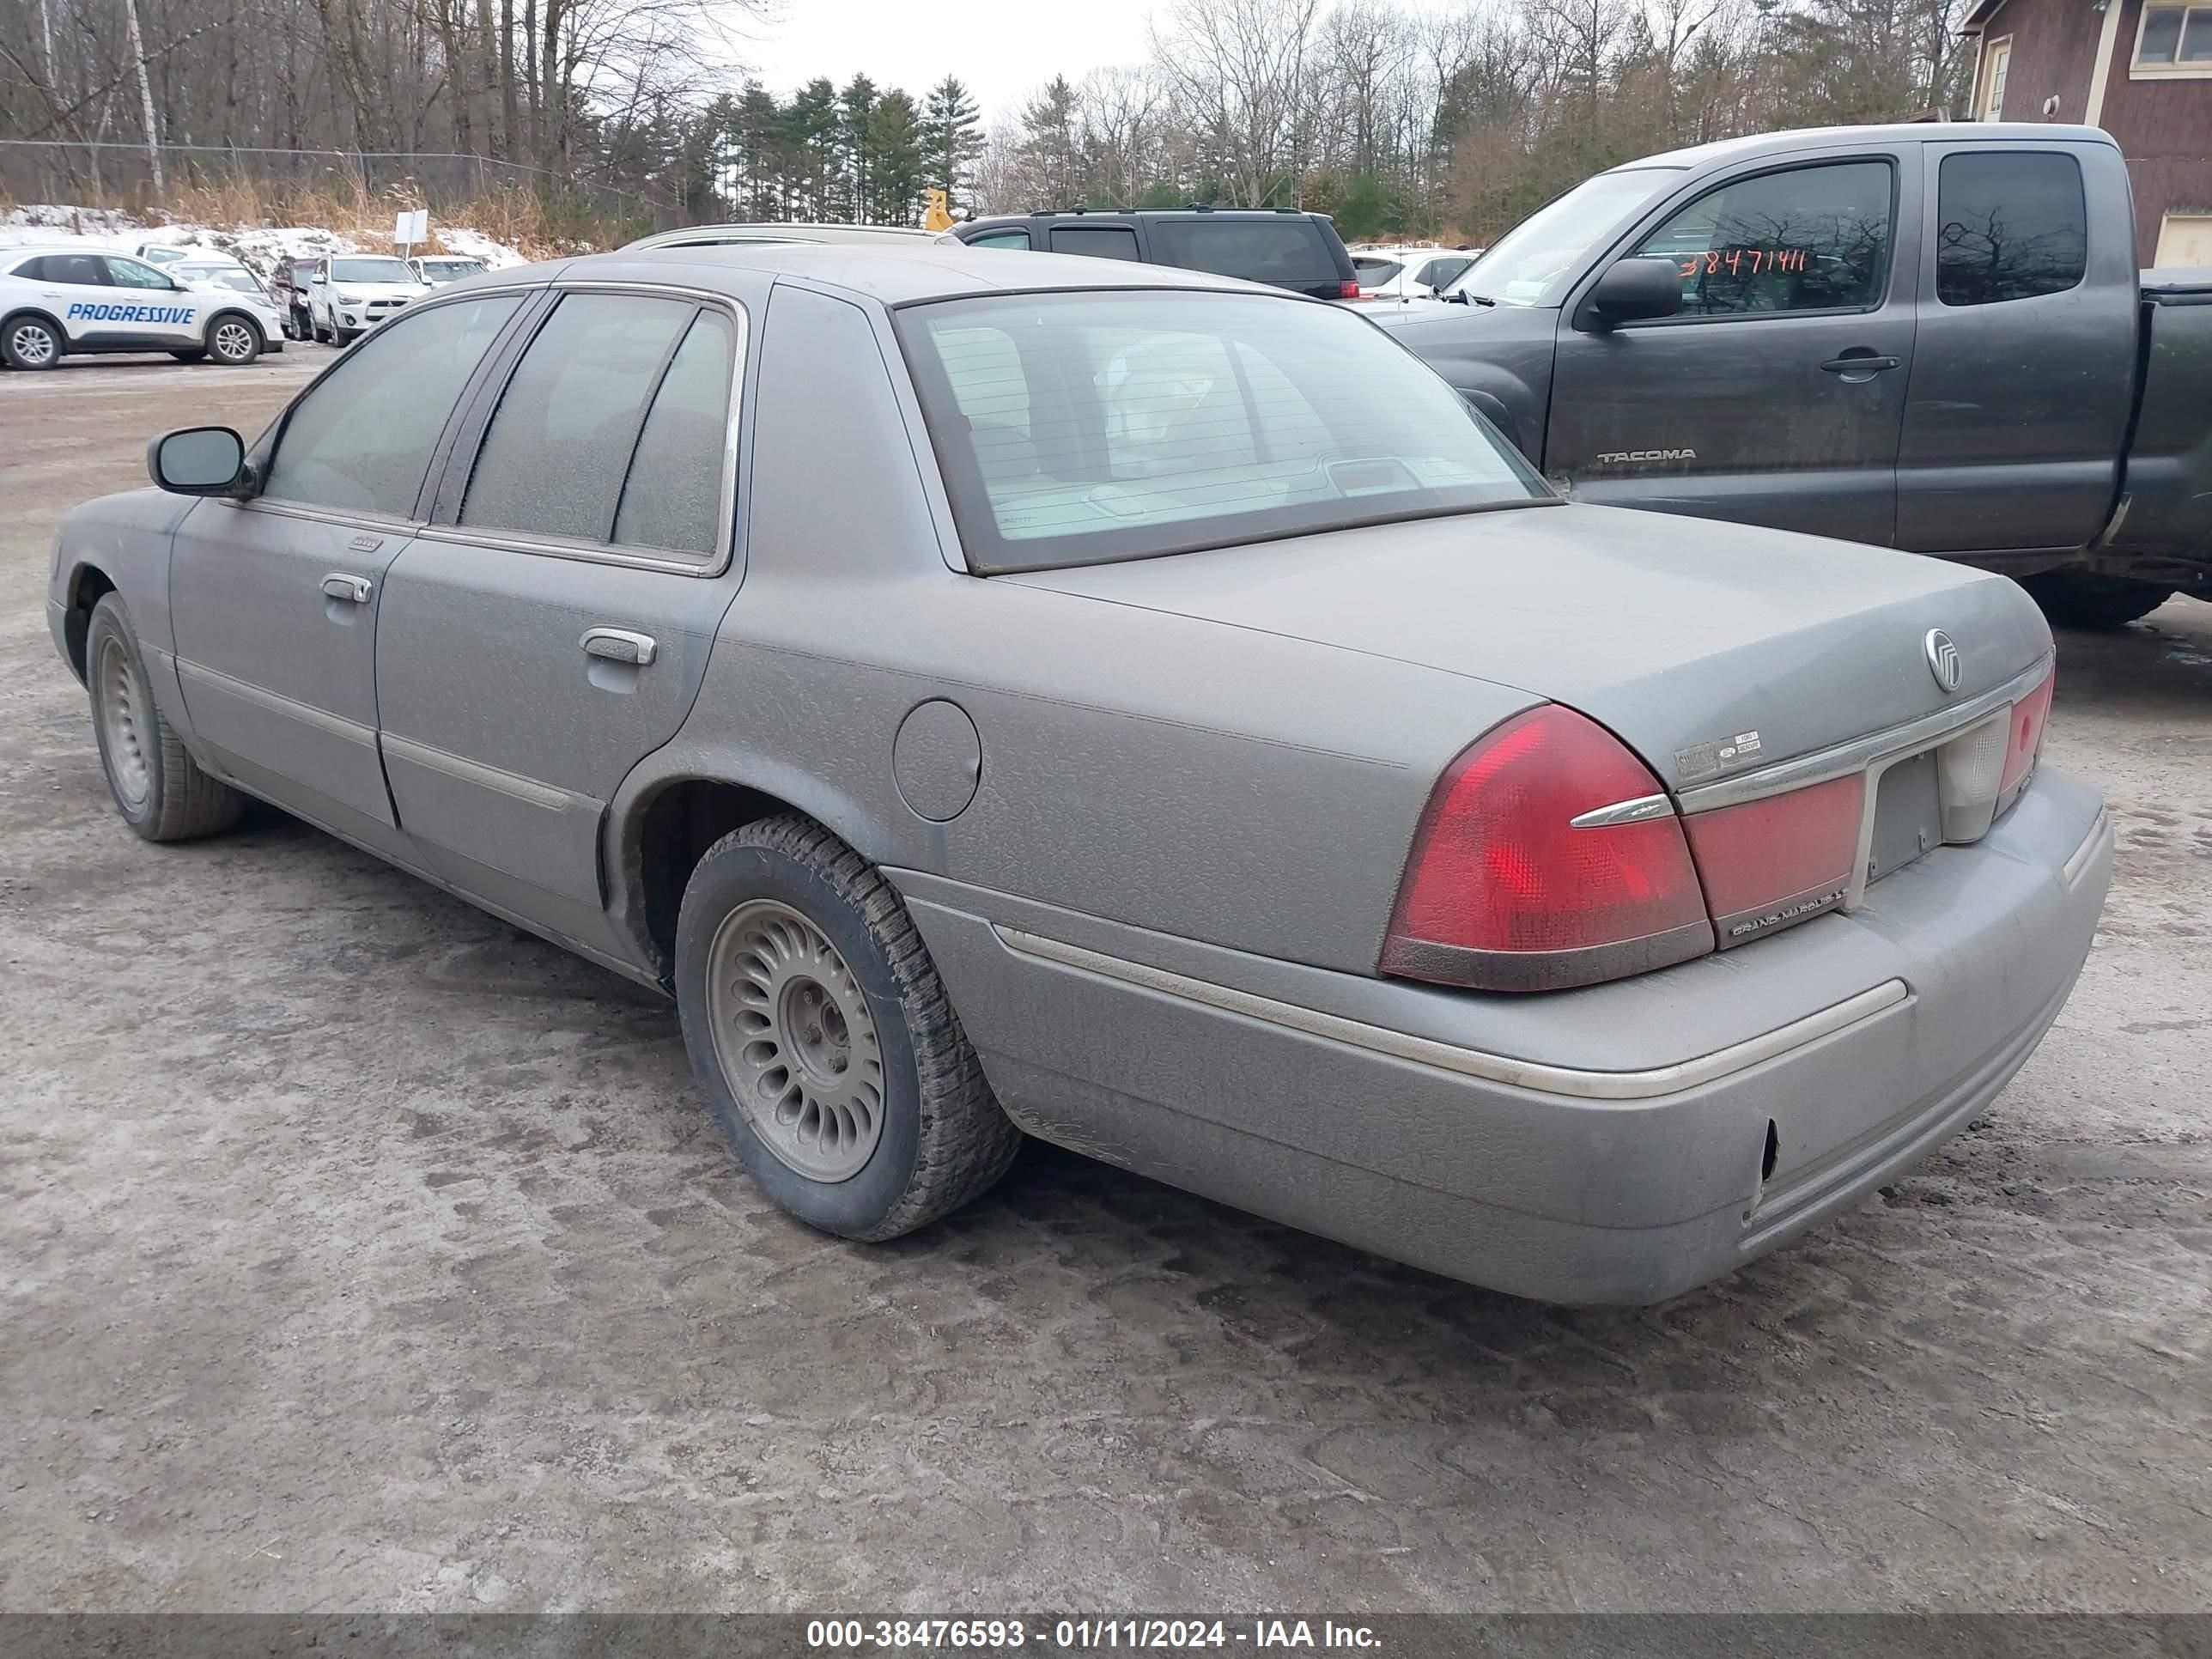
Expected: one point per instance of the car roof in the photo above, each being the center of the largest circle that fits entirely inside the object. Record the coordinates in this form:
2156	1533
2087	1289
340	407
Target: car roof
1895	132
892	275
12	254
767	232
1142	213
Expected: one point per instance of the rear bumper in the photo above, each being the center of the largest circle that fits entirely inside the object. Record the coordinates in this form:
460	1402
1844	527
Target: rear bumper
1607	1145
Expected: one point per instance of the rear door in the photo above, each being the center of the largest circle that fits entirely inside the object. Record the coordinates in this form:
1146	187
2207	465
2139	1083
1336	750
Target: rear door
551	627
2023	374
1112	241
275	601
1777	396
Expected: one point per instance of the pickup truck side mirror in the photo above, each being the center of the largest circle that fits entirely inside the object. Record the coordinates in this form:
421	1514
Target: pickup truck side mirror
1632	290
198	461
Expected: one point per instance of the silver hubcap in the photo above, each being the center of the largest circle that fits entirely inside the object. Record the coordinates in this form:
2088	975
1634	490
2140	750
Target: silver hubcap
121	722
32	344
233	340
795	1039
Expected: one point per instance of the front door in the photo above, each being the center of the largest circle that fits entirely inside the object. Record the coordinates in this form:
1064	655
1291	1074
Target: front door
148	305
551	629
276	600
1776	396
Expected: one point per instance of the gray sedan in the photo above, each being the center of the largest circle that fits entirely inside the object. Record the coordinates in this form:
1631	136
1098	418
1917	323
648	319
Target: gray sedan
999	695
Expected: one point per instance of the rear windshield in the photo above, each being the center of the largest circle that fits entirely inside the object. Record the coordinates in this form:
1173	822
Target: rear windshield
1075	429
370	271
1289	252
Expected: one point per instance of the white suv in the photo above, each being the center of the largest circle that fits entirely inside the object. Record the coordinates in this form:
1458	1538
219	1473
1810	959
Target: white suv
350	294
57	300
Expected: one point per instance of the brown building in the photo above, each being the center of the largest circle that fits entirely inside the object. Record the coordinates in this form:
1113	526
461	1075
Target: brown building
2142	69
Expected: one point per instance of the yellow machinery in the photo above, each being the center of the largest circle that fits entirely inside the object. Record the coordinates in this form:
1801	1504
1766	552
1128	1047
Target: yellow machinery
937	216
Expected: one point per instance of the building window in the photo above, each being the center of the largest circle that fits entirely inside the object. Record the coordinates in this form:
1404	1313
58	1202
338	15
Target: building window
1993	79
2175	40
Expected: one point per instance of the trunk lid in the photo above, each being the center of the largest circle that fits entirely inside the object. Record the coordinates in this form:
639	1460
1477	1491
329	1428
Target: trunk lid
1711	648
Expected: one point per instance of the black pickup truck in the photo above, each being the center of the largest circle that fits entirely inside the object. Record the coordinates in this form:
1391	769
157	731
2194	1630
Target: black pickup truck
1926	337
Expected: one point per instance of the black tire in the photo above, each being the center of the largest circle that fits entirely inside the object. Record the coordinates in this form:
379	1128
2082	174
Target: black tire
32	342
159	788
315	328
234	341
191	356
2094	604
943	1138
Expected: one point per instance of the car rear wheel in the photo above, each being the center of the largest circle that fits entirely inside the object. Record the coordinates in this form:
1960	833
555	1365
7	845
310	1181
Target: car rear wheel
824	1039
233	342
2080	600
158	787
31	343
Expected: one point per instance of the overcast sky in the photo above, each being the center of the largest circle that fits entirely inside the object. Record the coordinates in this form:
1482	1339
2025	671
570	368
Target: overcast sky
1003	48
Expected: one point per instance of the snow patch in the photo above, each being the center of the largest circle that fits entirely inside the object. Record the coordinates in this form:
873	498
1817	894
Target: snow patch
262	247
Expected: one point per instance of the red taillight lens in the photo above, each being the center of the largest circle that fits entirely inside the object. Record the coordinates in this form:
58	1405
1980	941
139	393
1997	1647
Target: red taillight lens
2024	740
1503	891
1769	862
1347	290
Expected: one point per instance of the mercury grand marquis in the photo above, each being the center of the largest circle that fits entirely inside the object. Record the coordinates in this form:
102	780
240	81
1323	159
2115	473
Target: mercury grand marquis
1001	694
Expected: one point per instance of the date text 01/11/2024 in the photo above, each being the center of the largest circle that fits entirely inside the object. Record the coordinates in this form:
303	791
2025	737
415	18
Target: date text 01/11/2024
1011	1635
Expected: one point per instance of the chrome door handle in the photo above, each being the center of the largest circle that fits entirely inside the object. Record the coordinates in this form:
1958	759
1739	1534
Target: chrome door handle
619	645
354	590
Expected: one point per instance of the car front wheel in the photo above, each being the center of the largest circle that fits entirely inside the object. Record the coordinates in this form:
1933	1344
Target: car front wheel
233	342
824	1039
158	787
31	343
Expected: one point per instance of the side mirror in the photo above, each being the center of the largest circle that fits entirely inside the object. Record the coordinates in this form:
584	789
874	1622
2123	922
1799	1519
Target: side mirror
1632	290
198	460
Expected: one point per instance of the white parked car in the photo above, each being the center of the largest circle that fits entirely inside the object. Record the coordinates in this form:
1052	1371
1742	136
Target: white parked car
220	275
68	298
1409	273
160	254
440	268
350	294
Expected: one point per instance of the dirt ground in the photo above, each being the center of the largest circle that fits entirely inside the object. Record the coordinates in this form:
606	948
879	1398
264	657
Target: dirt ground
357	1252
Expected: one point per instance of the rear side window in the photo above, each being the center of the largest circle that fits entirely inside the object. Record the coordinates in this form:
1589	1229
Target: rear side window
1288	253
360	440
77	270
555	456
2009	226
1099	242
1019	238
673	496
1806	239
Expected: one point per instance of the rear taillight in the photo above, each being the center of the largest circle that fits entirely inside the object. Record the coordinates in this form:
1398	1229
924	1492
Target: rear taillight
1505	890
1771	862
2024	739
1347	290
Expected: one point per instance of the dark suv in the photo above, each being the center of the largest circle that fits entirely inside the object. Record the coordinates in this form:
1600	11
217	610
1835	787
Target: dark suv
1280	247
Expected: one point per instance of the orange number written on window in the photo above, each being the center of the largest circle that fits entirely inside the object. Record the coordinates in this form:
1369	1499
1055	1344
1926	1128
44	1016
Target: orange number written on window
1743	261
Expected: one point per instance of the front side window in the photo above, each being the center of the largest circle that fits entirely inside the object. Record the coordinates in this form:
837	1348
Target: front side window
2175	38
1074	428
556	453
1437	272
370	271
1098	241
1808	239
2008	226
128	273
361	440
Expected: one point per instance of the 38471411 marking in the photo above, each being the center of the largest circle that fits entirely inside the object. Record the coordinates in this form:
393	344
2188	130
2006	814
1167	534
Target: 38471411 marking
86	312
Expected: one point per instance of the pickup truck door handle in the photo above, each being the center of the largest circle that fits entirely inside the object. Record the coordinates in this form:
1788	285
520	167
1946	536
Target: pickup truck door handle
619	645
1859	363
354	590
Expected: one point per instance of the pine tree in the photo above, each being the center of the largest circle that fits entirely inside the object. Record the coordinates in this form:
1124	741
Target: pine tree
856	105
952	138
896	167
811	126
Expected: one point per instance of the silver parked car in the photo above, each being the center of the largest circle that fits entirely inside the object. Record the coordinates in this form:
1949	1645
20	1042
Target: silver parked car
1132	708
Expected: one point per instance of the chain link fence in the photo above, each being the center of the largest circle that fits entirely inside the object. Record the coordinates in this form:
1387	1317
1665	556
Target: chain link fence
118	175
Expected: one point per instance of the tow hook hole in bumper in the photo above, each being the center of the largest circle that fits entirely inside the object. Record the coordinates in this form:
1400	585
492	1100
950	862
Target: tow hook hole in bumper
1767	1157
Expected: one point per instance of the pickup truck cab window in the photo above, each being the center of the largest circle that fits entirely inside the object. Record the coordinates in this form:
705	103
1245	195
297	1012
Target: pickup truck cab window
558	451
1804	238
360	441
2011	225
